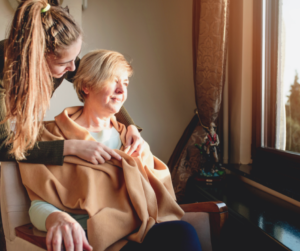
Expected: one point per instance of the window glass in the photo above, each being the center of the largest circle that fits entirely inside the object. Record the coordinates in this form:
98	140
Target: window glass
290	68
281	74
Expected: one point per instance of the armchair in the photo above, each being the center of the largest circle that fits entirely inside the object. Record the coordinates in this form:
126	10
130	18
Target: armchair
207	217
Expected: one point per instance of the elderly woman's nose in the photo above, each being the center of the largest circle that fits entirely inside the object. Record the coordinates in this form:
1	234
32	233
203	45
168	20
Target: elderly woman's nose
120	88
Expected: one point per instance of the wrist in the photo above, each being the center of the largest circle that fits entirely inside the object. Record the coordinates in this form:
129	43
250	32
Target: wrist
57	217
69	147
132	128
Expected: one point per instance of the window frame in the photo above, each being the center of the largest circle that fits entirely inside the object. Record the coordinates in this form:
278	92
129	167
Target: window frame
277	165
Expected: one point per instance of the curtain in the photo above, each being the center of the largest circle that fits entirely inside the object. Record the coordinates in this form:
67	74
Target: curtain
210	32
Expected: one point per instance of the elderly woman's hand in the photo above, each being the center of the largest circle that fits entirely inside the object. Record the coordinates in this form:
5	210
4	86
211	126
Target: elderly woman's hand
134	140
62	228
91	151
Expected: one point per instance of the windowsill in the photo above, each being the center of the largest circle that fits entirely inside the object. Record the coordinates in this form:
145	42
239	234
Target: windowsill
289	192
275	219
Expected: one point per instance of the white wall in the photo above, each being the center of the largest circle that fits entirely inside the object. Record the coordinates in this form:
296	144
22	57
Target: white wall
157	36
240	81
6	15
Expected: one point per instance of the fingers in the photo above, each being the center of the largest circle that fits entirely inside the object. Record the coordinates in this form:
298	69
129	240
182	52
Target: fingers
137	147
133	147
72	235
105	153
134	140
100	153
77	237
49	239
128	139
140	148
113	154
85	243
67	237
57	241
138	151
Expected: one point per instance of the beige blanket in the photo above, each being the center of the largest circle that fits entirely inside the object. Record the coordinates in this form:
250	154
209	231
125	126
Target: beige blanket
124	199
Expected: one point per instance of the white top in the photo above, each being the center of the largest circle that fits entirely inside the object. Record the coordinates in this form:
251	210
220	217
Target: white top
109	137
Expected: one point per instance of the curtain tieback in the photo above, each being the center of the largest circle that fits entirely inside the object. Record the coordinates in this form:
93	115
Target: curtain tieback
196	111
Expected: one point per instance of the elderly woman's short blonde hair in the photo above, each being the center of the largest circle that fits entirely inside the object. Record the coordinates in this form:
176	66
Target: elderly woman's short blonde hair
97	67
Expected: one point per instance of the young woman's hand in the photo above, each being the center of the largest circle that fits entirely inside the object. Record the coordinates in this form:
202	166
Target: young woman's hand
91	151
62	228
134	140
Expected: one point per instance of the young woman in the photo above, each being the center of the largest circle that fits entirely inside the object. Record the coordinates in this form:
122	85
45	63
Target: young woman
130	200
41	50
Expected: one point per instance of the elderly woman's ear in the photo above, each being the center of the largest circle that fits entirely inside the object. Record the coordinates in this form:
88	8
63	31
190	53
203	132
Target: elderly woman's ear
85	90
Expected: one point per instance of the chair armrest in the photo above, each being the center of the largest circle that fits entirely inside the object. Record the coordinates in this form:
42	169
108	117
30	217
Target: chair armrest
218	214
208	207
29	233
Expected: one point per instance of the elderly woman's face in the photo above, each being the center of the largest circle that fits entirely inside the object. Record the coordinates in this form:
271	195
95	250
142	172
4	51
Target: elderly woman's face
113	94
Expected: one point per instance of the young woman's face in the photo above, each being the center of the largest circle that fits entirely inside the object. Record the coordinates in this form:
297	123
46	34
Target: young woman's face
59	65
112	95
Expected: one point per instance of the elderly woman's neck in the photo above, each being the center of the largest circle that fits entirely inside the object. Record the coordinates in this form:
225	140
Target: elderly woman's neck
93	119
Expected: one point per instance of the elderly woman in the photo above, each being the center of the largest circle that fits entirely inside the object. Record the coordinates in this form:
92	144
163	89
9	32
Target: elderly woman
122	205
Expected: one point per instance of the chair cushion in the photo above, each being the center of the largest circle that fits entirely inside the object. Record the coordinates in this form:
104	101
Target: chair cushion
19	244
14	199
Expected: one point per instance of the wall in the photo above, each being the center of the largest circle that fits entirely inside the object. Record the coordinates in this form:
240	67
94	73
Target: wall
240	81
157	36
6	15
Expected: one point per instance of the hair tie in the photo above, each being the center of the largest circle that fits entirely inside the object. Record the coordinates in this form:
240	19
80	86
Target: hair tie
46	8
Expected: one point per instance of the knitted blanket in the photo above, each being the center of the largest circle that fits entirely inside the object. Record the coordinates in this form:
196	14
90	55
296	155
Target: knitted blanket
123	199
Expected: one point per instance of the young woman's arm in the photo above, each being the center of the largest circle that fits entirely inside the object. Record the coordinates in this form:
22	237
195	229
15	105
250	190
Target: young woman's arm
50	152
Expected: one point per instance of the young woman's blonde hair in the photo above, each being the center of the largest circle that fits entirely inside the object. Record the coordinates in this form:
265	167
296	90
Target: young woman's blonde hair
27	77
97	67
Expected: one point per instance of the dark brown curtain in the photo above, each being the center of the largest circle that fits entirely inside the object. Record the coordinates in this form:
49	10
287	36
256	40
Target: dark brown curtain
210	32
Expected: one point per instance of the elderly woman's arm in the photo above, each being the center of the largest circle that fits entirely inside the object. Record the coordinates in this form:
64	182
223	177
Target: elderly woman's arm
60	227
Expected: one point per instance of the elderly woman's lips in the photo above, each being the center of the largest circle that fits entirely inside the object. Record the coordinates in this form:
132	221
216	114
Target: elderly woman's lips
117	99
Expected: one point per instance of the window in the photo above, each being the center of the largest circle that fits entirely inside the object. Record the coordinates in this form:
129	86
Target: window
276	90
